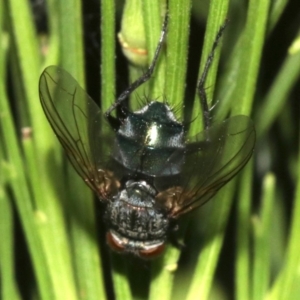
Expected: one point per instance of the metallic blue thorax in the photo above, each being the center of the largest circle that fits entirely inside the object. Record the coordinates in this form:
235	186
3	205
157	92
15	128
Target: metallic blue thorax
150	141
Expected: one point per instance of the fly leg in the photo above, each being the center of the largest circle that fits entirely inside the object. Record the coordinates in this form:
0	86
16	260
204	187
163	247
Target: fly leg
201	82
133	86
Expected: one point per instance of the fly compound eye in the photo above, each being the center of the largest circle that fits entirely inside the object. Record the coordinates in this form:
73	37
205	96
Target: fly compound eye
114	242
152	251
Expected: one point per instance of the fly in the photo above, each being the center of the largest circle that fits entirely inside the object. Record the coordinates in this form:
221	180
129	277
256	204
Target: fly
141	165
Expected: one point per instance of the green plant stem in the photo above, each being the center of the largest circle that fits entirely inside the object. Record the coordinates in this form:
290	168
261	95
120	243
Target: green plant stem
9	288
217	15
239	83
177	53
152	14
205	266
162	273
80	206
286	285
20	189
262	238
278	94
242	267
108	45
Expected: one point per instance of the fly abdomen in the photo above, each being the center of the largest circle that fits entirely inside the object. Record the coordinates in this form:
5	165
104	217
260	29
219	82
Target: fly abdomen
133	215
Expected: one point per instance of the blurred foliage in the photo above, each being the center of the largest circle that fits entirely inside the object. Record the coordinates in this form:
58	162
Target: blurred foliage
52	233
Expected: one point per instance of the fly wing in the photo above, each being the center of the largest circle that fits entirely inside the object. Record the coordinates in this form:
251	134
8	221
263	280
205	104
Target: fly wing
212	158
79	126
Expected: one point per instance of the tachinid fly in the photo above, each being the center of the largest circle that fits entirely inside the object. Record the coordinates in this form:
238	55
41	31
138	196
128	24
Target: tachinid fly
141	165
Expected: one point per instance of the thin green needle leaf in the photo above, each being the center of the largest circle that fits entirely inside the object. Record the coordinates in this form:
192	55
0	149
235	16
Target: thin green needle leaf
177	52
286	285
108	45
9	289
279	92
153	14
79	202
207	261
252	45
242	283
262	238
217	15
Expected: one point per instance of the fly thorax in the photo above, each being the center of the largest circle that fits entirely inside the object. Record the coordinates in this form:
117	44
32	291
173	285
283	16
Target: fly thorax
151	141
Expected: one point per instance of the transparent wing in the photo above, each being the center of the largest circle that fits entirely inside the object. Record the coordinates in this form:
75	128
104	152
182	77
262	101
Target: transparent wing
212	158
80	127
